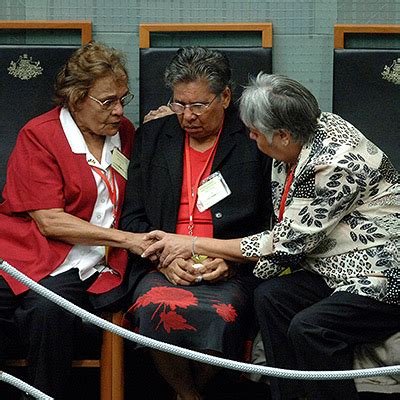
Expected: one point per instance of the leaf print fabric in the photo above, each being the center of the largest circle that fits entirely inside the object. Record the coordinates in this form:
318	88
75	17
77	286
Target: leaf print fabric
339	214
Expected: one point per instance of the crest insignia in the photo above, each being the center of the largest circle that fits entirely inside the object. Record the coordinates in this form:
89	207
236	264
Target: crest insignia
25	68
392	73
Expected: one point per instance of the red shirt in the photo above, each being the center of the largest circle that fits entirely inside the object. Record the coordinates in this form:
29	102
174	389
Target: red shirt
203	225
44	173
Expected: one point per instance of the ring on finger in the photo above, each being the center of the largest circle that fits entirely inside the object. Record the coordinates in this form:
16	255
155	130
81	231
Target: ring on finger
199	279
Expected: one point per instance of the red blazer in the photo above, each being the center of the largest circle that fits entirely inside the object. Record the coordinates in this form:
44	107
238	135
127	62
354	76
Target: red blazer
44	173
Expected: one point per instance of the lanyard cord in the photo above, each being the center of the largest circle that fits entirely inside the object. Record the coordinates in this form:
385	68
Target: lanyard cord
192	189
112	191
111	186
289	180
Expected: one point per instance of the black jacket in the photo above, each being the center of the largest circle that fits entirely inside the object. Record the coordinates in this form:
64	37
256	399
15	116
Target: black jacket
152	195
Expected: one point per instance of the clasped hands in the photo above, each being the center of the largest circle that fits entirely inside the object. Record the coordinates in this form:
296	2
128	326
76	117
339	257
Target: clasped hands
181	271
173	255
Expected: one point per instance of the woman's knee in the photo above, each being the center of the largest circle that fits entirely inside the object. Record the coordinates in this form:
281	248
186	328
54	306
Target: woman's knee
303	327
268	295
46	314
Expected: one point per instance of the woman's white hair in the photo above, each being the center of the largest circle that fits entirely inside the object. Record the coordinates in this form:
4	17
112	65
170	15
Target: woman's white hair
272	102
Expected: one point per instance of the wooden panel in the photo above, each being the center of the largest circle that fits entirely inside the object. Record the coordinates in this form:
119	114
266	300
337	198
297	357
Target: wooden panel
84	26
341	29
265	28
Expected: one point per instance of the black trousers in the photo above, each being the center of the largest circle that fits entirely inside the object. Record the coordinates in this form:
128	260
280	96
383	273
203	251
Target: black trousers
46	330
305	327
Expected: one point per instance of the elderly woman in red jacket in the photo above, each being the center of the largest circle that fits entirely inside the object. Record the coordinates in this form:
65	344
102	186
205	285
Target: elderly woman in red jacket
63	194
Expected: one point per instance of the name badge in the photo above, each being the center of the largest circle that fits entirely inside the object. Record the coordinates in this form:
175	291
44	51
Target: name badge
120	163
212	190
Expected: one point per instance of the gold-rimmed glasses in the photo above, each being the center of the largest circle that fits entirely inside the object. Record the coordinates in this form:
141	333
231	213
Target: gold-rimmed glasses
195	108
109	104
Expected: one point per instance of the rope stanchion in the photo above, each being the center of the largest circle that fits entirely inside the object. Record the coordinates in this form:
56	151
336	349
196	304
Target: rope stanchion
190	354
12	380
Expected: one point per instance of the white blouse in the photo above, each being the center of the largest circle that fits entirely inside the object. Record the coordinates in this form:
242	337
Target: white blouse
89	259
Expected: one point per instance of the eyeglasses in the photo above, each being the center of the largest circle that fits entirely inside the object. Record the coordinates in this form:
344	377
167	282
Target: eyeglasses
195	108
109	104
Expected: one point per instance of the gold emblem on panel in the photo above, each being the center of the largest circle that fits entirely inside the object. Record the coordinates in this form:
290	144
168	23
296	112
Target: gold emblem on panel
392	73
25	68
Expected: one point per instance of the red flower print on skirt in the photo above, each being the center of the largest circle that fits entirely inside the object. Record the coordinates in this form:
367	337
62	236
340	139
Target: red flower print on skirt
168	297
226	311
172	320
173	297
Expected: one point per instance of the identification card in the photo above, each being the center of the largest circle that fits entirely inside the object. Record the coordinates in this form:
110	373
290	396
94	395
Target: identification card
120	163
212	190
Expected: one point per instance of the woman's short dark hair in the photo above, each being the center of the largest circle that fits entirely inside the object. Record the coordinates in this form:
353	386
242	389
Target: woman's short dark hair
86	65
193	63
273	102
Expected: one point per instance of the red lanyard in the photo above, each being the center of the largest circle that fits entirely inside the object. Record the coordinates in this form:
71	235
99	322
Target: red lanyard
288	183
111	187
192	189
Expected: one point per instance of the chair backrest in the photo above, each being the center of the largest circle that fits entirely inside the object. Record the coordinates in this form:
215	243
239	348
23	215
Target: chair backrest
27	84
244	61
23	97
365	89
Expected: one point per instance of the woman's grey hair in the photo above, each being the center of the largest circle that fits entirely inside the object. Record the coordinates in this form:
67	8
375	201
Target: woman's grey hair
273	102
89	63
193	63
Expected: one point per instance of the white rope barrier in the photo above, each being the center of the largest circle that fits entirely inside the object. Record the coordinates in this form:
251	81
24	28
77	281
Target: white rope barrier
12	380
190	354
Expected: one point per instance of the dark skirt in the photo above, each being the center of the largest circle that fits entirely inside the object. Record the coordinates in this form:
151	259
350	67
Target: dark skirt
214	317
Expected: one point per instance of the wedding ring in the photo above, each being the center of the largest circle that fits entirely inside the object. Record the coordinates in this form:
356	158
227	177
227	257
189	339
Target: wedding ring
198	279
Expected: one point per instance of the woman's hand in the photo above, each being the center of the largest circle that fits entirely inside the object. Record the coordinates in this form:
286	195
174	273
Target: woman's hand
137	244
215	269
180	272
168	246
161	111
56	224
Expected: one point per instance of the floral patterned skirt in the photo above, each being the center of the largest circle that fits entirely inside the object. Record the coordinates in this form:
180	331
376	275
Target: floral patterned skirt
207	316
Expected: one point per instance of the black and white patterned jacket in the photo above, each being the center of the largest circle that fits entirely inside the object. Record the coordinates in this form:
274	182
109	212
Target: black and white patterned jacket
342	215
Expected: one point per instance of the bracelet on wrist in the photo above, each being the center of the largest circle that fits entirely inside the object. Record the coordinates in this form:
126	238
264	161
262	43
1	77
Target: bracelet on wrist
194	238
197	258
